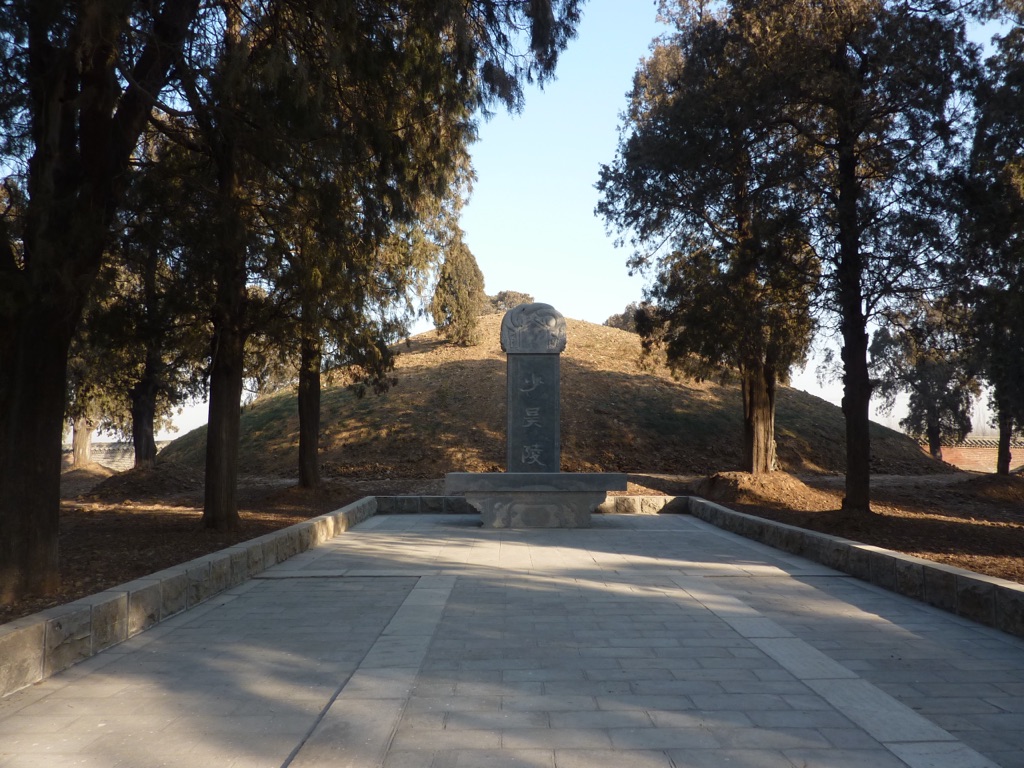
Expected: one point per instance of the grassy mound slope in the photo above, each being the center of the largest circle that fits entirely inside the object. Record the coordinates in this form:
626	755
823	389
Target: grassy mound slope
447	413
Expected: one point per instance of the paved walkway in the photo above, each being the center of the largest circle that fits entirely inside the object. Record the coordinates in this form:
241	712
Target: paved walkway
416	641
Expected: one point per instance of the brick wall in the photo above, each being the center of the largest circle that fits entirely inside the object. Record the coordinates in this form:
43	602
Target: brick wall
980	455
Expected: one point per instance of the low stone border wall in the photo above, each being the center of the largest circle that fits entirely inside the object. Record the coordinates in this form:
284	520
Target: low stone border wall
35	647
644	505
996	602
424	505
457	505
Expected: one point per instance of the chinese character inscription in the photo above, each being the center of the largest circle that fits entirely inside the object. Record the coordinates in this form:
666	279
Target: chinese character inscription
532	336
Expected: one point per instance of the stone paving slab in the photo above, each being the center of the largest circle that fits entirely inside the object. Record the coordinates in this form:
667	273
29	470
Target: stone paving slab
423	641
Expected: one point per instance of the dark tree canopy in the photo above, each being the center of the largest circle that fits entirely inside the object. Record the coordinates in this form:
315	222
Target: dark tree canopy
839	113
698	184
76	88
145	318
883	140
79	83
989	277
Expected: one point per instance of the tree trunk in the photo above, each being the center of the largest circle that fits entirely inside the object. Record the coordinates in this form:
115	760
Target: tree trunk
758	386
143	393
227	368
81	441
934	436
143	407
849	275
856	408
220	507
309	413
1005	434
34	353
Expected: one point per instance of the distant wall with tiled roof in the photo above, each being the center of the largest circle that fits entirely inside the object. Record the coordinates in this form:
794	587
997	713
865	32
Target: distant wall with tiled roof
117	456
979	454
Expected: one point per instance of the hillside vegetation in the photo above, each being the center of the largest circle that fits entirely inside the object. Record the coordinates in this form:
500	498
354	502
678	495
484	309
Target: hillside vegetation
447	414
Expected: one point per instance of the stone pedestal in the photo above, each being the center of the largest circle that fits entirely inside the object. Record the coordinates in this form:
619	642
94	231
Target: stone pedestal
534	499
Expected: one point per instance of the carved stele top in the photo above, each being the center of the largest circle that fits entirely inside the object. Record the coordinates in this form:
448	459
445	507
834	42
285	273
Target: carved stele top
533	329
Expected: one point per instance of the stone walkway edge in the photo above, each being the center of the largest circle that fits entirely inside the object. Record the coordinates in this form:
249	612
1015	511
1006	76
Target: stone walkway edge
36	647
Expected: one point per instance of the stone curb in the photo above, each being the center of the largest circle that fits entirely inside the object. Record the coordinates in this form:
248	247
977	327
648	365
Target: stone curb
985	599
35	647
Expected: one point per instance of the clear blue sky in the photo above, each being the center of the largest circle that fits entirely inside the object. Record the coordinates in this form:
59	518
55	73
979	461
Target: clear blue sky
530	221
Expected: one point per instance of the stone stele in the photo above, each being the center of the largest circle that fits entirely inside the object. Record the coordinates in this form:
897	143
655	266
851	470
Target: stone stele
532	336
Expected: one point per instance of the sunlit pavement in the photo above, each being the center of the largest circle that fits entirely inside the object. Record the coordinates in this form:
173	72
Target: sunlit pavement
416	641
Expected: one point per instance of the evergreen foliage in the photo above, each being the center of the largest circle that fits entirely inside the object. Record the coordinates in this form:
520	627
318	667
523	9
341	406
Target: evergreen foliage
77	85
989	278
698	182
838	116
627	319
926	354
882	125
145	322
503	301
459	297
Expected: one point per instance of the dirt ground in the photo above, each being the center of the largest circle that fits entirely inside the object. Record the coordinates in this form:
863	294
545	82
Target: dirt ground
119	527
115	528
969	520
